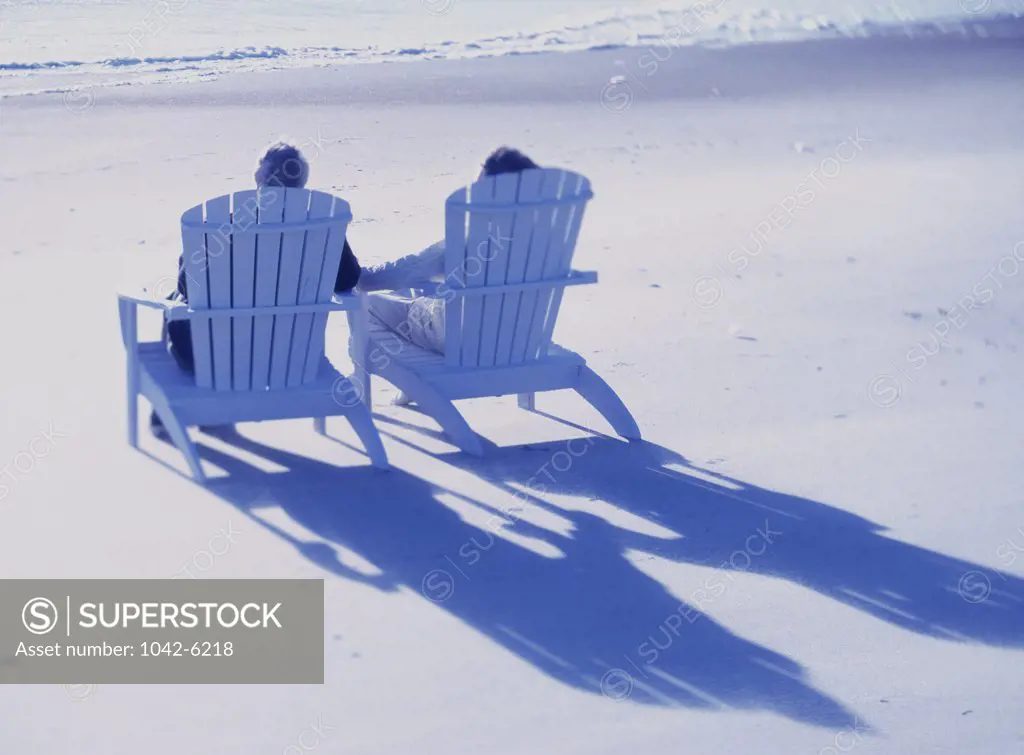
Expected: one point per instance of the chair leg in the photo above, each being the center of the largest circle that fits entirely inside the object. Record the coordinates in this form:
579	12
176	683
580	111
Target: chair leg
362	376
133	419
528	401
600	395
133	404
179	434
360	382
128	315
358	321
437	406
361	421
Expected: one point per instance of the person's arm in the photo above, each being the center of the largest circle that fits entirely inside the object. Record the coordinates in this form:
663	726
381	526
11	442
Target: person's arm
408	272
348	271
182	290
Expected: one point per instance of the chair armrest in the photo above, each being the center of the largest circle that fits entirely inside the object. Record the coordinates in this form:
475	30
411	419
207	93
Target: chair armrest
128	314
349	301
340	303
418	288
176	310
581	277
441	289
142	300
573	278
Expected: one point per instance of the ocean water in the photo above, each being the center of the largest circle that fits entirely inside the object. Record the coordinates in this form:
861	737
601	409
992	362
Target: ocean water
54	45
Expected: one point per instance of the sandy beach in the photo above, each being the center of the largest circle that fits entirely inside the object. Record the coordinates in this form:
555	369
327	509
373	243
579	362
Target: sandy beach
811	299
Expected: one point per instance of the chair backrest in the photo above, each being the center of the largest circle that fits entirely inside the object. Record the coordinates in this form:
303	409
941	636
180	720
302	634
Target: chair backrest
260	249
509	229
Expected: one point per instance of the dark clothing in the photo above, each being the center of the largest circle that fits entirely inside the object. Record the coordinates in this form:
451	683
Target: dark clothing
178	334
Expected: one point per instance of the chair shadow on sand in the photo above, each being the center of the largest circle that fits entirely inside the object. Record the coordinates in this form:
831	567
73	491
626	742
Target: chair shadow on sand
593	620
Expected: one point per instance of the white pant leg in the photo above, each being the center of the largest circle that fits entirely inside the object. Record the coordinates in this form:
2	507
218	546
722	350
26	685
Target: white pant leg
417	319
407	272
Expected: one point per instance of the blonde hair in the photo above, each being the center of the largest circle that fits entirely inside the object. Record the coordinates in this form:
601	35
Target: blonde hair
282	165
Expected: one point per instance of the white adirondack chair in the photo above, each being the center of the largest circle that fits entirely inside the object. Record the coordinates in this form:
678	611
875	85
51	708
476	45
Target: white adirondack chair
509	242
260	272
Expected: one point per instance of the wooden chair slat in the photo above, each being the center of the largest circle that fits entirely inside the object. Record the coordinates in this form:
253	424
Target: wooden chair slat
218	255
501	231
519	255
268	259
296	209
320	206
245	217
455	262
193	244
334	246
475	267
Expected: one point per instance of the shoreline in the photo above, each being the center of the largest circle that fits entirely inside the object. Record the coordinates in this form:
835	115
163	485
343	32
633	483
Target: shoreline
653	72
701	26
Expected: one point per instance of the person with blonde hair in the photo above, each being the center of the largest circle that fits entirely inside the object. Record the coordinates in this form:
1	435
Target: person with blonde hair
281	165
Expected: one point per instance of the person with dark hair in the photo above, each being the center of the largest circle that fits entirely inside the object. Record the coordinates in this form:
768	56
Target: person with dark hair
507	160
405	309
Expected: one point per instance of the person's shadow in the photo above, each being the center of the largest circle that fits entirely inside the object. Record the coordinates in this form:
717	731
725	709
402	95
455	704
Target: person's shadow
589	619
736	527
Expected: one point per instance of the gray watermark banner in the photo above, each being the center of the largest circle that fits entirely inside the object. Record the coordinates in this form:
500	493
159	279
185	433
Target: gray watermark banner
162	631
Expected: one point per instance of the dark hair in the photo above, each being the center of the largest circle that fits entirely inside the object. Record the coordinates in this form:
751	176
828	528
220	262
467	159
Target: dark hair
507	160
282	165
